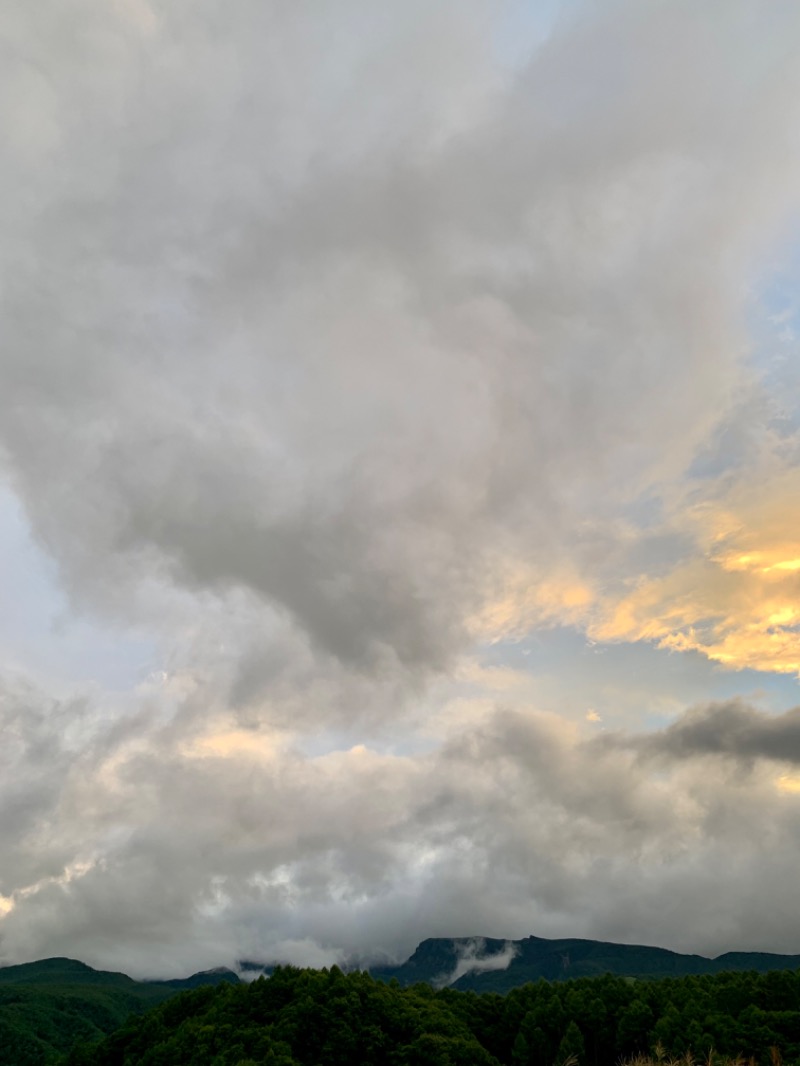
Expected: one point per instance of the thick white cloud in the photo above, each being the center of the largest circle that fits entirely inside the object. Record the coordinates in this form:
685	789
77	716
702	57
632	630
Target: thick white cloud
151	852
337	341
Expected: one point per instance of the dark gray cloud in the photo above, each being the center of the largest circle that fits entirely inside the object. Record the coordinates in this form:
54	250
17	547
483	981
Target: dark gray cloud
732	729
339	348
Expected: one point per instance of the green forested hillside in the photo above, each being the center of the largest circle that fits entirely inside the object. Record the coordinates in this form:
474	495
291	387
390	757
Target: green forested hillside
46	1006
60	1007
327	1018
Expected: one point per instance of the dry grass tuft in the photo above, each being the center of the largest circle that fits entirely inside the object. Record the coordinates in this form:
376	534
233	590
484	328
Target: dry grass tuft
659	1057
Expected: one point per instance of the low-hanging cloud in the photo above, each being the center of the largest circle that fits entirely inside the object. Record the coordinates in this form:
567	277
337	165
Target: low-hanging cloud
474	958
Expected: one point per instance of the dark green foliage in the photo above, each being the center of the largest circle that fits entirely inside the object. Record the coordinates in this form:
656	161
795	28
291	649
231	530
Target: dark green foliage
327	1018
297	1017
571	1047
48	1007
36	1024
633	1027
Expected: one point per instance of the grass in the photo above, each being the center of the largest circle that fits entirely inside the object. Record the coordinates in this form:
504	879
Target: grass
660	1058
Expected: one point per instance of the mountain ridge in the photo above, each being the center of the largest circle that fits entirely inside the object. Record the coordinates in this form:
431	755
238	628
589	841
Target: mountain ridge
477	962
59	970
488	964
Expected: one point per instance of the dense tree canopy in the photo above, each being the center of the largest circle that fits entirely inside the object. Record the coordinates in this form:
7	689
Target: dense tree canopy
328	1018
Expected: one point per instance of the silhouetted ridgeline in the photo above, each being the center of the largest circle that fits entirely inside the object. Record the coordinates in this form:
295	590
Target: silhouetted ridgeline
468	963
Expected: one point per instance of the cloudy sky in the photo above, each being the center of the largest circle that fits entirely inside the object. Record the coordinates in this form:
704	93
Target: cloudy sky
399	476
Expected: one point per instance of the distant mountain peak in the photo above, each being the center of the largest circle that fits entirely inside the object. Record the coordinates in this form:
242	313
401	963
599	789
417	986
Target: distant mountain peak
490	964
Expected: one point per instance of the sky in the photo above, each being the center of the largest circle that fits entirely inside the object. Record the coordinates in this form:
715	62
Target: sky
399	477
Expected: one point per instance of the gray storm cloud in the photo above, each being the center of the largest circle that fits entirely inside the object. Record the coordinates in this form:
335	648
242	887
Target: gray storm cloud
321	323
731	729
338	348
